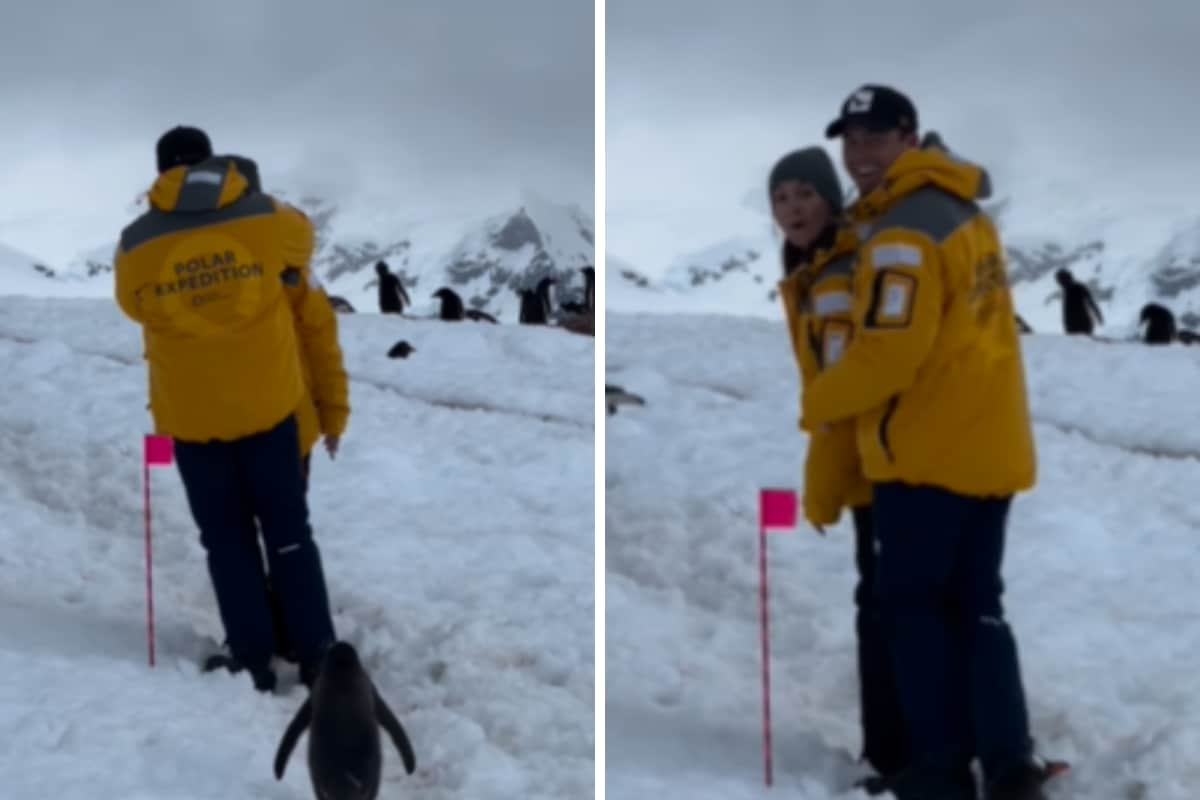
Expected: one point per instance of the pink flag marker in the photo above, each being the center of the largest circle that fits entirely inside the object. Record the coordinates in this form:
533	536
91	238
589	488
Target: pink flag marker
776	514
777	510
157	451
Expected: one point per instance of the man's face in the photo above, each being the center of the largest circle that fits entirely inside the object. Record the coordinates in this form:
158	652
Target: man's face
868	154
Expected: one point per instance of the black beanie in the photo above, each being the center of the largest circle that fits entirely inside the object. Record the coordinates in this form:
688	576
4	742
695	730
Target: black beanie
182	145
813	166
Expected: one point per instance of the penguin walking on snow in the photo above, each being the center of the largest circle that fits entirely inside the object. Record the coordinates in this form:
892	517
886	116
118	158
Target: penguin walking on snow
343	715
533	309
392	296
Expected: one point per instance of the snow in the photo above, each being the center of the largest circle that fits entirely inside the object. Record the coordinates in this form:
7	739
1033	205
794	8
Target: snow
456	530
1100	571
19	276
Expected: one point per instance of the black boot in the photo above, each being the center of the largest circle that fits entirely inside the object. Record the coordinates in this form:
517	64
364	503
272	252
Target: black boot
875	785
263	677
223	659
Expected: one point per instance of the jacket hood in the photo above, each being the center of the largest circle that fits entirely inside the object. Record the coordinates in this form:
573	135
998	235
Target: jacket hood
930	165
207	186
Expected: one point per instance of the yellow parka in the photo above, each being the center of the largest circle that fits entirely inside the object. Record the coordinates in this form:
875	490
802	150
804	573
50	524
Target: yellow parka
203	271
934	375
817	306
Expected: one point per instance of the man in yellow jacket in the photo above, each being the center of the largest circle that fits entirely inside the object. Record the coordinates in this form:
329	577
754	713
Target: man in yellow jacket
934	380
204	272
325	409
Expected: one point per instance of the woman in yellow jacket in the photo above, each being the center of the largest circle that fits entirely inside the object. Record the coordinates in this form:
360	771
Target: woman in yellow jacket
818	263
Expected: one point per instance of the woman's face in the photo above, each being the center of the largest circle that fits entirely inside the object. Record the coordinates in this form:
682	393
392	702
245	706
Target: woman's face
799	212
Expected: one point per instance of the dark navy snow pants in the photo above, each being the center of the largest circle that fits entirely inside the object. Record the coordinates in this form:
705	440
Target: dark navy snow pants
879	706
955	658
229	485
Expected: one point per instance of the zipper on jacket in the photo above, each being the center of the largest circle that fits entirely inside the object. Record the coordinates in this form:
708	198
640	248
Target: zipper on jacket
883	428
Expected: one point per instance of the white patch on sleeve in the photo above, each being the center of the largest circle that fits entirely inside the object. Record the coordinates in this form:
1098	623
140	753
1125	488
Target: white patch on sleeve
895	300
204	176
827	303
892	255
835	345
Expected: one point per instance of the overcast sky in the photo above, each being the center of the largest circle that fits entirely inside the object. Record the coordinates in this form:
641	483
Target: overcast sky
435	104
1068	96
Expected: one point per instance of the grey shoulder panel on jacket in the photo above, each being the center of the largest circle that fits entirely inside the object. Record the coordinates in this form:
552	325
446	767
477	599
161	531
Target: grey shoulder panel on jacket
155	223
931	211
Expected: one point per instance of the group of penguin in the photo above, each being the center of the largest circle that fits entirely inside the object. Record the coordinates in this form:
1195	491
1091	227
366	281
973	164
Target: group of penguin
537	306
1081	315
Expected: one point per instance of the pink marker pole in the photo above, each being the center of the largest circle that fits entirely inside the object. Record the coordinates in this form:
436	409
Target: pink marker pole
766	653
157	451
776	513
149	563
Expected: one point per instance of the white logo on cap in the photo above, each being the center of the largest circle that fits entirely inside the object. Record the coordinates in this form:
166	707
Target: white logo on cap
860	102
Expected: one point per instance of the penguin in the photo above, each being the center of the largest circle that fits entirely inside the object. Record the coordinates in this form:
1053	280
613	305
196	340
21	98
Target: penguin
589	294
1159	324
480	316
1186	336
1080	312
452	305
533	309
340	304
392	296
401	349
616	396
543	293
343	714
1022	325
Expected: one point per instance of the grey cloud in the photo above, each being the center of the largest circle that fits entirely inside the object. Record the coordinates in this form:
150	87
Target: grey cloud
703	95
424	94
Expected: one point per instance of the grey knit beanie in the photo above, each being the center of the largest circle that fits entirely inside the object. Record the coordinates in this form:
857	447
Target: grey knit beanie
813	166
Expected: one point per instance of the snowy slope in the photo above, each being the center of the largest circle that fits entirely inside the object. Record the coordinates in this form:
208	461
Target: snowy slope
486	260
27	275
1100	571
456	533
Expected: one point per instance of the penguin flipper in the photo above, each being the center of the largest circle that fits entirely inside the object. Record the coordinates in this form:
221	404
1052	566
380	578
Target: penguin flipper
290	736
387	720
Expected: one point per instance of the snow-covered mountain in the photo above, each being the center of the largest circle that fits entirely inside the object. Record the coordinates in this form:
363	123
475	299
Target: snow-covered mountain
1144	256
24	274
486	260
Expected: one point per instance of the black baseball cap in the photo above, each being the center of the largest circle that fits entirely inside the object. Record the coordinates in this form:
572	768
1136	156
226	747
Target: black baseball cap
877	108
182	145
